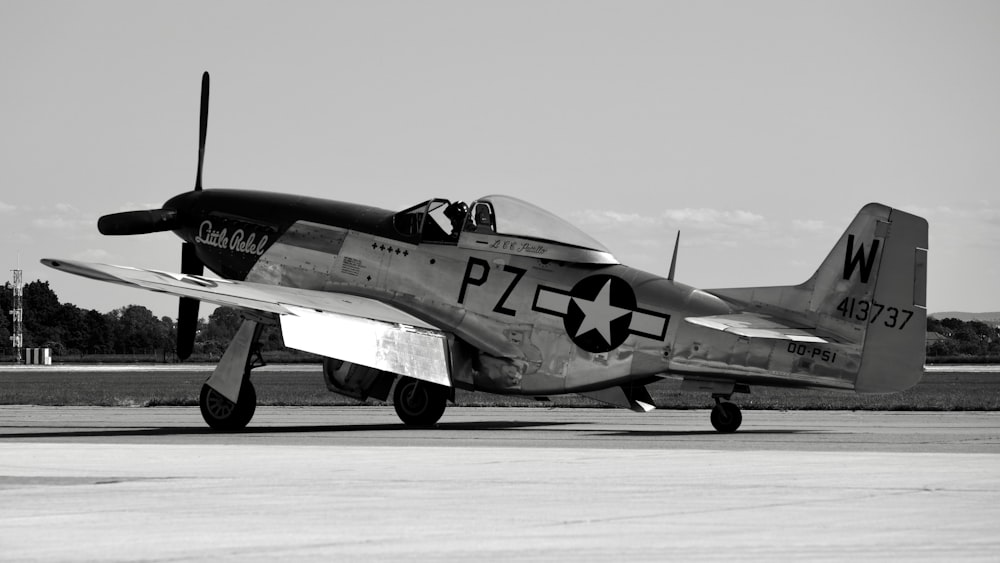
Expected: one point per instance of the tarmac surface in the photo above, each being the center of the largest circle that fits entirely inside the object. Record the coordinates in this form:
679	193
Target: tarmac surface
351	483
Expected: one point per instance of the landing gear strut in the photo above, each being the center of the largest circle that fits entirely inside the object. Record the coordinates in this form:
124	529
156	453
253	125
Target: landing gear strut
419	403
231	380
726	416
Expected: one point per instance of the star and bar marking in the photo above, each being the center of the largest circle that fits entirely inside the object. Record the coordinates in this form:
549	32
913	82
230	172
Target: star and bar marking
600	313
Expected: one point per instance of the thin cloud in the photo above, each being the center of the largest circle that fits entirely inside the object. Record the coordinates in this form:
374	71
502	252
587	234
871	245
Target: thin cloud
809	225
698	218
713	217
984	212
961	226
63	217
6	207
606	219
94	255
648	243
61	223
637	238
131	206
640	236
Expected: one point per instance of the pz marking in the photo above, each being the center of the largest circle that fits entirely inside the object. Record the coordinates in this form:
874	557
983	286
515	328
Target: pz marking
479	278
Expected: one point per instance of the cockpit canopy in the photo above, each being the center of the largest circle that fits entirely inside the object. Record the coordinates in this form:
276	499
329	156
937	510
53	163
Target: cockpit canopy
501	224
425	221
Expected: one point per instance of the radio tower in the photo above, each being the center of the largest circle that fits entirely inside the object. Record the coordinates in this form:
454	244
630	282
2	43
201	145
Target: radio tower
17	339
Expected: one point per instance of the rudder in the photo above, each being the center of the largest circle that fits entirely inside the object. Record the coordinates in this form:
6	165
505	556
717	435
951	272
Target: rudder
872	289
895	345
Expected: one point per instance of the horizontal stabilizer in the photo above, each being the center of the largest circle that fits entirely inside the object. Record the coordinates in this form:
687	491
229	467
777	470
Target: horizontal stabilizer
758	326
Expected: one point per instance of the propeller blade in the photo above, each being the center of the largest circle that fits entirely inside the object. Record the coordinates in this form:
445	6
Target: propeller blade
138	222
187	326
187	311
202	129
190	263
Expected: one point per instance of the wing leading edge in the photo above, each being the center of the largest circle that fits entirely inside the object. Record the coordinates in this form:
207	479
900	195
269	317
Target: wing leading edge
347	327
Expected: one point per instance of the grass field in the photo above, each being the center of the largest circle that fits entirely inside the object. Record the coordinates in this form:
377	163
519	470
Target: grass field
939	391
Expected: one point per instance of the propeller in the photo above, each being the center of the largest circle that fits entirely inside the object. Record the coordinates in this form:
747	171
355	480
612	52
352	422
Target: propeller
158	220
187	310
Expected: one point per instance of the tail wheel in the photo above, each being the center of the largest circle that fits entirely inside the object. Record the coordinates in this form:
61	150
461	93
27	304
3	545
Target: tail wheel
726	417
419	403
222	414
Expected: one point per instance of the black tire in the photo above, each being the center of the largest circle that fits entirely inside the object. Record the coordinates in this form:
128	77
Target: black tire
222	414
726	417
419	403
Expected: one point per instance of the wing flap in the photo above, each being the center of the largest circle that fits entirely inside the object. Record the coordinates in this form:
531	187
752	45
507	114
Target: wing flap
418	353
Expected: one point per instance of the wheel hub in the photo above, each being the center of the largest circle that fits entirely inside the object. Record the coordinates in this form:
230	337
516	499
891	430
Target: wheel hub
219	406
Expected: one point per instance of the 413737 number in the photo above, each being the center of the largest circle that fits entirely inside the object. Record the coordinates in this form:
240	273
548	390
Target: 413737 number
872	312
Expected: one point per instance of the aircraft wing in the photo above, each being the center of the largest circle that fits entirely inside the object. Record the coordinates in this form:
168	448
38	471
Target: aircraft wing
354	329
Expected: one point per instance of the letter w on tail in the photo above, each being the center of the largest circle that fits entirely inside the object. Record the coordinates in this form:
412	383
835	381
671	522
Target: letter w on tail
852	260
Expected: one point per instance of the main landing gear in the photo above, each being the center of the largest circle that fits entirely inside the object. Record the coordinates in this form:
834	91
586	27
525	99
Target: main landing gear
726	416
419	403
231	379
222	414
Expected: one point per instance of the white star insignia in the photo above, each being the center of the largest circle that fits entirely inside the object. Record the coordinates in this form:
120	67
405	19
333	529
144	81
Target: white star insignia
599	313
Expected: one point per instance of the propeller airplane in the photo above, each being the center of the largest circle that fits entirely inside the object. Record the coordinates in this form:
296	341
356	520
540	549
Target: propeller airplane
502	297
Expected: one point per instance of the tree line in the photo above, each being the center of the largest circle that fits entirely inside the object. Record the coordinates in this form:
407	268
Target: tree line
70	330
133	329
963	339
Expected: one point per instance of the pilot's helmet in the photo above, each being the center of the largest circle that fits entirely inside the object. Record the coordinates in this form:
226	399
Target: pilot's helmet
456	210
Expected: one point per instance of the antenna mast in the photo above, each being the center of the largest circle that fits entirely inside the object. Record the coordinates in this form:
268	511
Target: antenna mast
17	314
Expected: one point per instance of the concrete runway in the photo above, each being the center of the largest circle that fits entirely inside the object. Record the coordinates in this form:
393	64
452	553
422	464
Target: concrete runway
351	483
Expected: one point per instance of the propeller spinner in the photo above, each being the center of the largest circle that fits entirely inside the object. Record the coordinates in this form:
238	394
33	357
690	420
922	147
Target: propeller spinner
138	222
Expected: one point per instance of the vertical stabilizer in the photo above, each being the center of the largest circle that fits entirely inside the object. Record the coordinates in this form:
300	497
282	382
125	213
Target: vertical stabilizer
874	285
870	293
895	342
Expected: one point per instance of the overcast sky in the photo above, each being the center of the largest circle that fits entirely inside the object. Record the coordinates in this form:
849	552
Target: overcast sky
757	129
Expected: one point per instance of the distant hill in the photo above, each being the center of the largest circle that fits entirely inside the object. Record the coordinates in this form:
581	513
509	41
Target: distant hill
990	318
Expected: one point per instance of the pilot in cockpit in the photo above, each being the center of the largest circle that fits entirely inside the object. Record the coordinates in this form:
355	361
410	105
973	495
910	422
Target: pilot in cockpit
456	213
